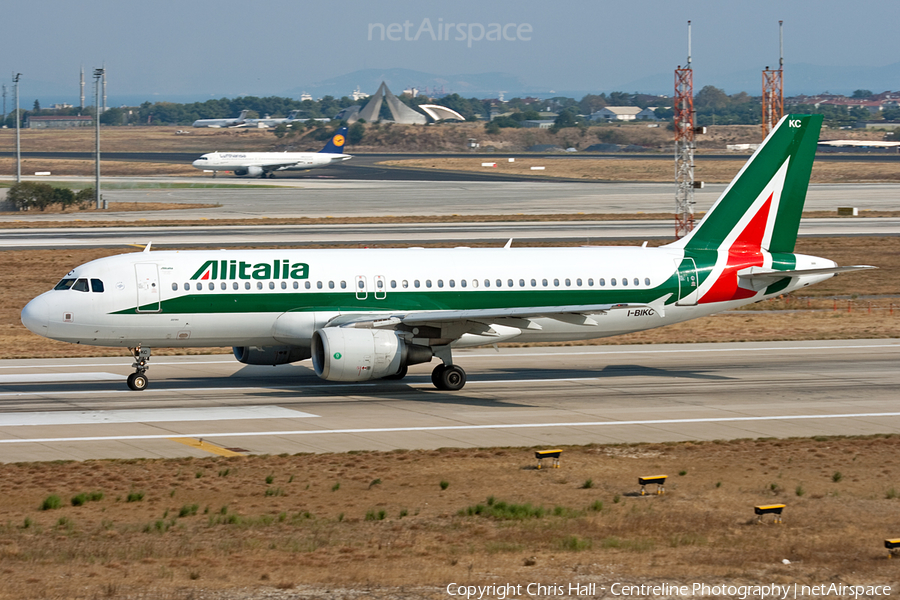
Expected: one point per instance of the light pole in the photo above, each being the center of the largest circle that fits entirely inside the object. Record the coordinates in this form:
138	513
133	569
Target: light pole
98	75
18	144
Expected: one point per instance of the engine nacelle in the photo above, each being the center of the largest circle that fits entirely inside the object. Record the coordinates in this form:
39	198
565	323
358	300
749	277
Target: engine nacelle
347	354
249	172
270	355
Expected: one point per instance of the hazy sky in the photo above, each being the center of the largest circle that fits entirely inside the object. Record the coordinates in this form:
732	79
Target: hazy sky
229	48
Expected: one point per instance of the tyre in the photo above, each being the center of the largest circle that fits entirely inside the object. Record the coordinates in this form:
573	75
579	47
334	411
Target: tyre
138	382
436	376
453	378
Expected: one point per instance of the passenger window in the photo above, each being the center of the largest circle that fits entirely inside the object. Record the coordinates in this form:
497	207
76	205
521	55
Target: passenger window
393	283
474	283
174	287
259	285
637	281
379	283
416	283
556	283
499	283
246	285
360	284
612	282
624	281
211	286
199	286
487	283
602	282
224	285
590	282
647	281
319	284
297	285
97	286
462	282
544	282
284	285
452	283
534	283
521	283
343	285
578	282
404	284
568	282
271	285
307	285
330	285
187	287
234	285
428	283
64	284
440	283
509	282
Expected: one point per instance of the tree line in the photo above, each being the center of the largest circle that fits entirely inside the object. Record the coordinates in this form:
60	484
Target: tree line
712	105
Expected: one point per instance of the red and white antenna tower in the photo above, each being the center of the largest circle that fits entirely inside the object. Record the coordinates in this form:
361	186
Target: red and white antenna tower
684	146
773	89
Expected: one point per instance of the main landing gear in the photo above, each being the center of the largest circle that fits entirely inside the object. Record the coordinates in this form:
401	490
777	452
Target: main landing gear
138	380
451	378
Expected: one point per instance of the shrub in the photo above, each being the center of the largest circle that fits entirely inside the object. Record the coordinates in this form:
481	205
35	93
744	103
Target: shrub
445	484
836	476
188	510
51	502
588	484
135	497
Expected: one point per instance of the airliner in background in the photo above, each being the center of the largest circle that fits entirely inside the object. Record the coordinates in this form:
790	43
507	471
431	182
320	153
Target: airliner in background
365	314
241	119
265	164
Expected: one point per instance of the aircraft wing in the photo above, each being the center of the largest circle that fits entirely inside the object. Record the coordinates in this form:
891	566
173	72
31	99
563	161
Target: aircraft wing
578	314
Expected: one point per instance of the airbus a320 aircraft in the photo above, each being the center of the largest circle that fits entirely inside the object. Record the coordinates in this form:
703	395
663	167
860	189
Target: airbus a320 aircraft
242	118
364	314
264	164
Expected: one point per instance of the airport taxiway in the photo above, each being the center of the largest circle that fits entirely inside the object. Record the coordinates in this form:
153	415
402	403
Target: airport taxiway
80	408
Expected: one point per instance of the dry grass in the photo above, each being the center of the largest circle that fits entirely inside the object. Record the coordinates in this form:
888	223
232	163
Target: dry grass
632	169
790	319
245	538
108	168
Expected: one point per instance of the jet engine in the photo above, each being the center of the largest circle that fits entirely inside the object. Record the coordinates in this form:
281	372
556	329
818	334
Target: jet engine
346	354
249	172
270	355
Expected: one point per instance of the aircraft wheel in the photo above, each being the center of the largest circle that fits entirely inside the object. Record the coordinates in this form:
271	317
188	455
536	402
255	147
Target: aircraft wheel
137	382
399	374
453	378
436	376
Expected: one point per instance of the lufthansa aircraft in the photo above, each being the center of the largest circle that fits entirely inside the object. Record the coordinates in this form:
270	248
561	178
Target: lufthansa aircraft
264	164
364	314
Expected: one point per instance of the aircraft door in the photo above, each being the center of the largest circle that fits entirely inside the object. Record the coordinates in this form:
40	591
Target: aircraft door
147	287
687	283
362	290
380	287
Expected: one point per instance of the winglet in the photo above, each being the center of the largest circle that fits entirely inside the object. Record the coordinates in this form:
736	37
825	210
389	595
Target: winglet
147	248
508	244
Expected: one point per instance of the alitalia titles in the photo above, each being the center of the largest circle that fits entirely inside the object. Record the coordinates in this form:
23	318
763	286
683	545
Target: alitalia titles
235	269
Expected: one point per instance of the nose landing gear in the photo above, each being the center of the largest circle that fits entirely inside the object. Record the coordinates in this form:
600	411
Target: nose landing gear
138	381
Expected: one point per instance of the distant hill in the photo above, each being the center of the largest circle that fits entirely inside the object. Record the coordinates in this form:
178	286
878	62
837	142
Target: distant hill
480	85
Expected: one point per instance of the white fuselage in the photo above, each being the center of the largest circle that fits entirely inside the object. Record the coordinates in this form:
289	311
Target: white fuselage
257	163
272	297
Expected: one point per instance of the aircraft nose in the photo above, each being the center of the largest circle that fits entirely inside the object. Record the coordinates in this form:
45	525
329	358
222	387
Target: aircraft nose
35	315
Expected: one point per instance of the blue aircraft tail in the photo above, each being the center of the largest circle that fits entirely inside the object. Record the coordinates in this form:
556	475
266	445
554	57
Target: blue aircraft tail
336	144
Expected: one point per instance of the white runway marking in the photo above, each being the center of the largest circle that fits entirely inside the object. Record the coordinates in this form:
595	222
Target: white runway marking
59	377
150	415
449	428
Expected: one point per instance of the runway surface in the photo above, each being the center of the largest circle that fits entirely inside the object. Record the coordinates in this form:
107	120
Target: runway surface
362	235
80	408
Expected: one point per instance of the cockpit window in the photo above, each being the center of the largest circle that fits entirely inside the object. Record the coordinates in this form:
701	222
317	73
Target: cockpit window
81	285
64	284
96	285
